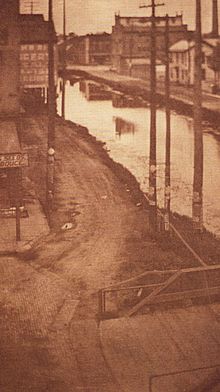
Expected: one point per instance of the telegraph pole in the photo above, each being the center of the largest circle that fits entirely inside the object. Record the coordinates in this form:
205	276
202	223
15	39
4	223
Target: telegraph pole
51	111
168	129
51	71
64	60
197	207
153	153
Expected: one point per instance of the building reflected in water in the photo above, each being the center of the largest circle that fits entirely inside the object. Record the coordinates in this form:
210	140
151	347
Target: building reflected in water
94	91
123	126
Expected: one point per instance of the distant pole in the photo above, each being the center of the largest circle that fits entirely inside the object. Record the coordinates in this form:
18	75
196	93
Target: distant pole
64	59
51	111
197	207
130	51
17	180
168	129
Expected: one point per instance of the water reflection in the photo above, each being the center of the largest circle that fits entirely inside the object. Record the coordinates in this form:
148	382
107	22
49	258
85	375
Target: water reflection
123	126
93	91
120	100
132	149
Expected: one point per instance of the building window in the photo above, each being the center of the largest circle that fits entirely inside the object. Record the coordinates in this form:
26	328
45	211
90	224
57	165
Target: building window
183	58
3	36
1	58
203	57
183	75
203	74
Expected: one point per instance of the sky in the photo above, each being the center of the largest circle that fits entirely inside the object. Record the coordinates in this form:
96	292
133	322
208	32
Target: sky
91	16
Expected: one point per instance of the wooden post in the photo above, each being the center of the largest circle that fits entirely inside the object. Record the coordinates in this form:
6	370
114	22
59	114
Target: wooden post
153	158
51	84
131	43
100	303
152	193
18	223
51	113
168	130
197	207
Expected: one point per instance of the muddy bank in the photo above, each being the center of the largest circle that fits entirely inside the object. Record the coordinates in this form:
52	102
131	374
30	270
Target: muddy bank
206	245
141	249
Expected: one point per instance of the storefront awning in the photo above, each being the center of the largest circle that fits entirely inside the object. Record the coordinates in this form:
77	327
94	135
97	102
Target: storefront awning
11	155
9	142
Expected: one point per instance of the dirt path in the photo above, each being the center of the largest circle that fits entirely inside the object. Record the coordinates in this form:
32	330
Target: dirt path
50	338
110	228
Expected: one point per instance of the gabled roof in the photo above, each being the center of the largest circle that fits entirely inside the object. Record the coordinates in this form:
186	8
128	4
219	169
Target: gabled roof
212	41
184	45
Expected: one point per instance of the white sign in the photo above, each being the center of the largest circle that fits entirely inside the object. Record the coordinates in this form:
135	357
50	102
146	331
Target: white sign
13	160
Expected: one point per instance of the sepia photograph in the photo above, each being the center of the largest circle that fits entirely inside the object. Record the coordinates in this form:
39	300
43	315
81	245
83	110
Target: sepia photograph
109	196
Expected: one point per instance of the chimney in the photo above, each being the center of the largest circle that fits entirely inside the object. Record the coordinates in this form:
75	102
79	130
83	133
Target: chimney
215	32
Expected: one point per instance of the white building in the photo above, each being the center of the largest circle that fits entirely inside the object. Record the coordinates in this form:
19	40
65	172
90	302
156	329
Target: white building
182	62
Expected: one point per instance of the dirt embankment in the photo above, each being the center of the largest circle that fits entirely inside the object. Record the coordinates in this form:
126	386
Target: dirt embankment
110	239
44	343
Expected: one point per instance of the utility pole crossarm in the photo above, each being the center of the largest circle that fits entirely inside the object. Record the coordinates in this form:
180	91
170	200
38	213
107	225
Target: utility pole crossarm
151	5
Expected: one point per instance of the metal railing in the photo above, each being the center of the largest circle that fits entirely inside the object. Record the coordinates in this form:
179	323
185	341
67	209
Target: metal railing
185	284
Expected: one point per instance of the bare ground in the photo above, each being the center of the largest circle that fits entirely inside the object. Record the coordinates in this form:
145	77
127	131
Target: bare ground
50	338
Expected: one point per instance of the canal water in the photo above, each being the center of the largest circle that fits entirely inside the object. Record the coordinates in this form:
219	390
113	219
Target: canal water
126	134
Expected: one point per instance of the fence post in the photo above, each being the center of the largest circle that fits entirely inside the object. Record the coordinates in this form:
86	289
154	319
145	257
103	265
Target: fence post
100	303
103	301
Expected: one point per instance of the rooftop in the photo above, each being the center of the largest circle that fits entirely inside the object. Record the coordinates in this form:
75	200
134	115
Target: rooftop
212	41
34	29
126	21
183	45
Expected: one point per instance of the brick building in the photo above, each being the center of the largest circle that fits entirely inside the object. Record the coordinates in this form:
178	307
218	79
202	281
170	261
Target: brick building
88	49
34	57
9	57
11	157
131	42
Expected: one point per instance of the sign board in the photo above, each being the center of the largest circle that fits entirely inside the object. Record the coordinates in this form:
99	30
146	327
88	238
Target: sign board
34	65
13	160
11	213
